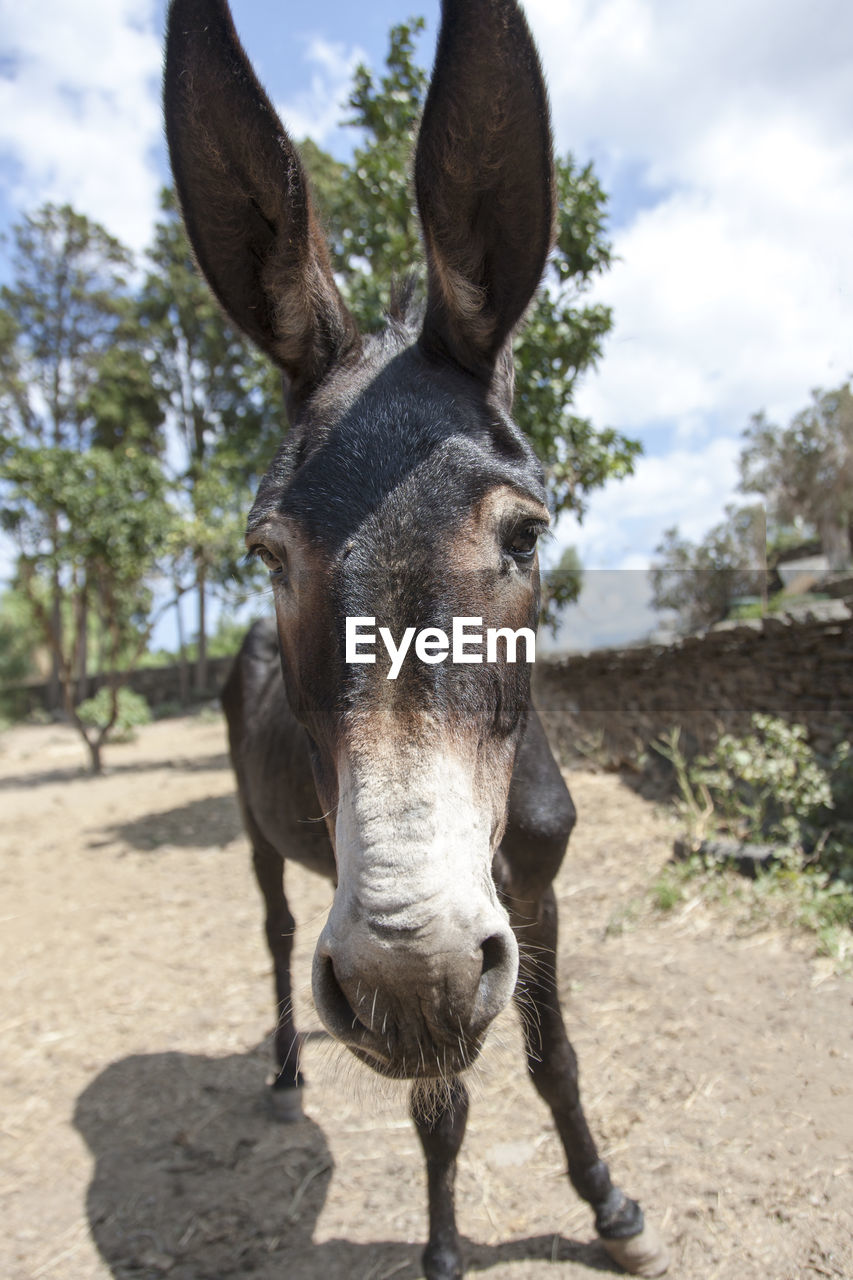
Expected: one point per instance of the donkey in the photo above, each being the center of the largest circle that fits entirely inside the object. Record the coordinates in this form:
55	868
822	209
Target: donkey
403	492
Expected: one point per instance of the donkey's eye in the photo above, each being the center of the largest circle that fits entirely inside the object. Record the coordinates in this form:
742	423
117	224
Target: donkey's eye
521	541
267	558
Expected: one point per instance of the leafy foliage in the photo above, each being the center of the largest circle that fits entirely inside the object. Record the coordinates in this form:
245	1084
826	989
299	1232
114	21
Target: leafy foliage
700	582
93	520
81	480
561	340
770	786
68	308
805	470
368	205
133	711
226	409
16	645
804	474
561	586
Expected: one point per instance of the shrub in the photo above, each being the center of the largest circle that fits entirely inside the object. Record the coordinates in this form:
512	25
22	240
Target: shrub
769	786
133	711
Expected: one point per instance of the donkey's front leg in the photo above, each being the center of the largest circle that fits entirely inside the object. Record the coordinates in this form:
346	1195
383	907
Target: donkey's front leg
440	1118
286	1093
553	1067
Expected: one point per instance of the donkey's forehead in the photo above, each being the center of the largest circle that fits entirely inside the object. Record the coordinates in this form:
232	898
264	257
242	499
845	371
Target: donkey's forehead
391	387
397	432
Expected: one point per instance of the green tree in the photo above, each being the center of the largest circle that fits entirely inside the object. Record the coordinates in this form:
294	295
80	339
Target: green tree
700	582
228	417
369	213
805	470
67	309
94	520
561	586
369	205
81	490
16	646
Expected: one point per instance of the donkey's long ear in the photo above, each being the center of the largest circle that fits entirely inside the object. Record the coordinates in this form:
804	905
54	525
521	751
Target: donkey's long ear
485	181
245	198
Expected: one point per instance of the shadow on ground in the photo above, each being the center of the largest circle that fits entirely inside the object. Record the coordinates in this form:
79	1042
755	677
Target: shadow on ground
193	1180
36	777
198	824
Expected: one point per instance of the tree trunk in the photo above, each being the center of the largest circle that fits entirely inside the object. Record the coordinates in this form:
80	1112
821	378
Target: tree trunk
101	663
54	687
93	743
94	746
201	661
184	676
835	542
83	653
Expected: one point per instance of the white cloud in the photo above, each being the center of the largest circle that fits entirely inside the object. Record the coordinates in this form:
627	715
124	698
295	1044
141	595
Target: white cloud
79	108
730	126
719	309
80	116
625	519
646	77
316	112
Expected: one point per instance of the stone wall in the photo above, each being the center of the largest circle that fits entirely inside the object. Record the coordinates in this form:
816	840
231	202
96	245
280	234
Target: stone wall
158	685
163	684
615	701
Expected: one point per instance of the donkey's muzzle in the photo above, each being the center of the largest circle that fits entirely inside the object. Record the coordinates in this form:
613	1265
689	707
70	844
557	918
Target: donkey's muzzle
412	1008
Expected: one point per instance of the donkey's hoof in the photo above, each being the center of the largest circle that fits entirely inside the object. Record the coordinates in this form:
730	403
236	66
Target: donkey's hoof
641	1255
286	1103
442	1262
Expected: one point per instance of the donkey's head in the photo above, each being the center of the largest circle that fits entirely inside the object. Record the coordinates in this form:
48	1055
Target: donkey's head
403	493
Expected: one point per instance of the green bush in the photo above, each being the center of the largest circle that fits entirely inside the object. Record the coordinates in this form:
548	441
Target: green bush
769	786
133	711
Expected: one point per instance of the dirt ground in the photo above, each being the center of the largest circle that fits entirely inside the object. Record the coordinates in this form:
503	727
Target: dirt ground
717	1063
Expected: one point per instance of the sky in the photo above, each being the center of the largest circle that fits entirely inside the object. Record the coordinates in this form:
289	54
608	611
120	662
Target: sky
722	129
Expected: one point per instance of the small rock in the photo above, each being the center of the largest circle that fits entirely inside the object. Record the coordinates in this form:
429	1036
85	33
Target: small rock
748	859
507	1154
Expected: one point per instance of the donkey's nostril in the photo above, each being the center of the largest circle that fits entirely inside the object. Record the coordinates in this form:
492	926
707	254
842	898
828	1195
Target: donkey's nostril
497	979
332	1004
494	951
